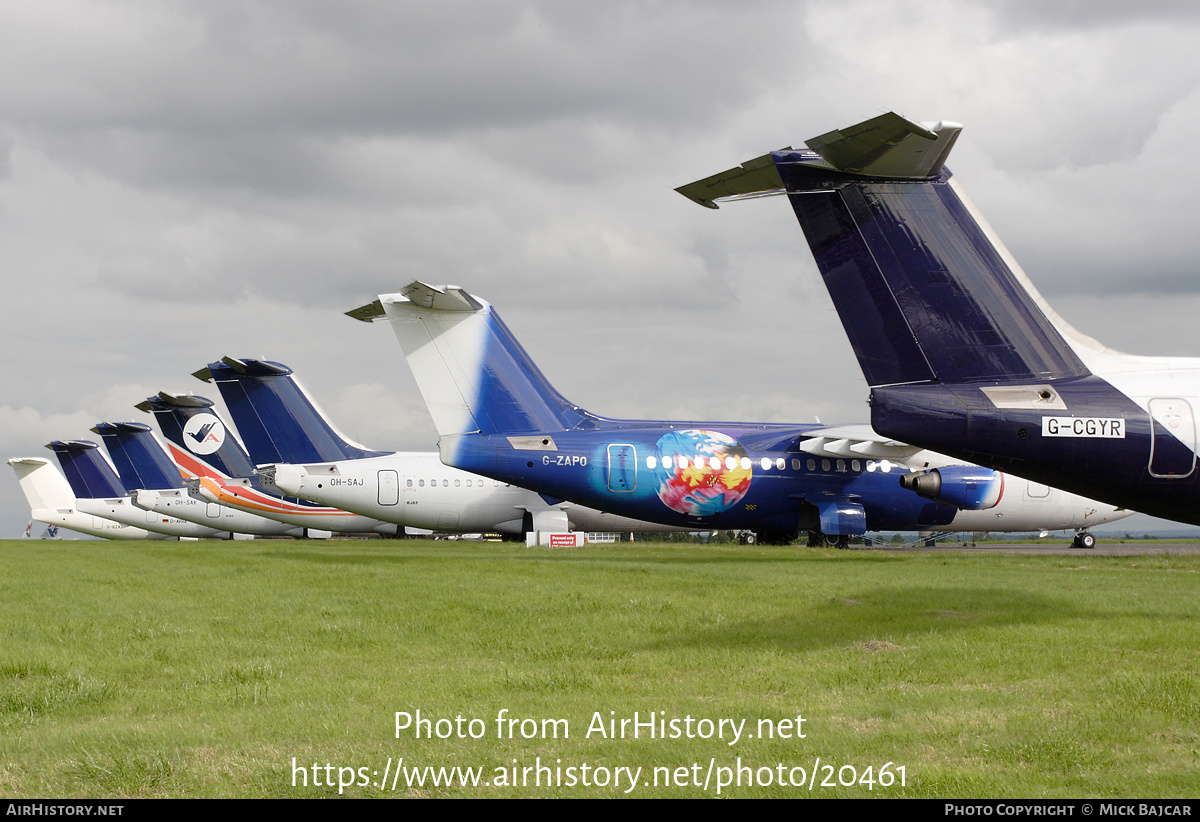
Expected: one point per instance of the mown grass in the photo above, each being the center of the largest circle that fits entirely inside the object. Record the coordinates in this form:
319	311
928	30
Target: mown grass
204	669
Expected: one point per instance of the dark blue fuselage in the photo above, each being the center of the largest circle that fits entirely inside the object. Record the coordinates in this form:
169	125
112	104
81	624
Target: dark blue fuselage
704	475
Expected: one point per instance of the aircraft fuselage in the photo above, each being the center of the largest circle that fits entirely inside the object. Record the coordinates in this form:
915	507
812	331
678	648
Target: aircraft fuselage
721	476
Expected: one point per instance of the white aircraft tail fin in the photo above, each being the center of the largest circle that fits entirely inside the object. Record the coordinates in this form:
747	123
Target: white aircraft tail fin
42	484
473	374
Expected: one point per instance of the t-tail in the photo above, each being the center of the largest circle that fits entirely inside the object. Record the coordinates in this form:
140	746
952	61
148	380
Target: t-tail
923	288
279	422
44	487
962	353
88	472
200	440
474	375
138	456
53	501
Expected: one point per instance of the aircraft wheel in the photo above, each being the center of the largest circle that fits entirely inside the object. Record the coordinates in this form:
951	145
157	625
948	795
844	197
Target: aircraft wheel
841	541
749	538
1085	541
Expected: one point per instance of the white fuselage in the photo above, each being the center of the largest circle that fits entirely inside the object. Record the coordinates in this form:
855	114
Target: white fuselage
176	502
122	510
91	524
419	491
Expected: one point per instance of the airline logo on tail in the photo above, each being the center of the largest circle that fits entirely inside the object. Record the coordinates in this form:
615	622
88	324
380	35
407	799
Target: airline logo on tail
203	434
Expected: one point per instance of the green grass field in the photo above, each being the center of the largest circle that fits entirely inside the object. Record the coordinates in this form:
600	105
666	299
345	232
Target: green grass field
208	669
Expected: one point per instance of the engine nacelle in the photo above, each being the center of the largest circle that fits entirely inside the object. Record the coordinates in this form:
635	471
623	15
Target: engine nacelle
968	487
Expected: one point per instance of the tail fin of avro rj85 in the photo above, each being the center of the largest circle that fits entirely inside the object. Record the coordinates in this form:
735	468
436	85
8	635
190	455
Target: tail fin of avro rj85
924	289
200	440
90	475
276	418
141	460
474	375
44	487
961	352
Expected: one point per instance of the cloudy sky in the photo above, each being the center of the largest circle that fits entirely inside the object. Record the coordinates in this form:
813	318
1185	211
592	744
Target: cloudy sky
183	180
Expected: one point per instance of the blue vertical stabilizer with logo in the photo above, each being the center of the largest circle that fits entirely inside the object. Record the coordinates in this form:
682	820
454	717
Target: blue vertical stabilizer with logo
89	474
276	418
192	424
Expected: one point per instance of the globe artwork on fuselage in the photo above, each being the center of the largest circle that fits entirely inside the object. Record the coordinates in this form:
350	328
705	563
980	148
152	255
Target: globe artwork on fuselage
701	473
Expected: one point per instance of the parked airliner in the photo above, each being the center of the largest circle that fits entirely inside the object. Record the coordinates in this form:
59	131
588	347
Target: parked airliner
961	351
52	501
156	484
497	415
220	471
101	492
299	451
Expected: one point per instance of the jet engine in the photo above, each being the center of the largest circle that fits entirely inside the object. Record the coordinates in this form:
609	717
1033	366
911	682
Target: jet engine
968	487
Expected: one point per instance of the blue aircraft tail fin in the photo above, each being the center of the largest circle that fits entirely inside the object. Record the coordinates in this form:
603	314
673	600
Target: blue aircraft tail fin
472	372
201	439
924	289
276	418
89	474
139	457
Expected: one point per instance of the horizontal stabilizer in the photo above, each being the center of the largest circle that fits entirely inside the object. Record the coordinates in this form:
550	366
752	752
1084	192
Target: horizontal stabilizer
421	295
183	400
888	146
367	313
444	298
754	178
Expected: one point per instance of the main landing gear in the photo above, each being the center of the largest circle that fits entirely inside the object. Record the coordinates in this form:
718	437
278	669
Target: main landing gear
1084	540
818	540
767	537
